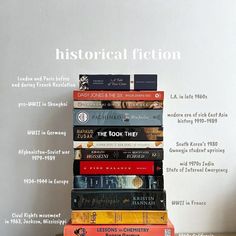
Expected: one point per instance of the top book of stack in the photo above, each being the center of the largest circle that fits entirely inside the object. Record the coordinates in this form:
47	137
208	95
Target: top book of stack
118	82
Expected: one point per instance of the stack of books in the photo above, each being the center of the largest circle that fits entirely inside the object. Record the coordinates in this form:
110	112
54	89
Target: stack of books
118	171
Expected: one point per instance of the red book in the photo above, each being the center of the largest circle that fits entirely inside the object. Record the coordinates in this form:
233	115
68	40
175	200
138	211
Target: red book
118	95
106	230
99	167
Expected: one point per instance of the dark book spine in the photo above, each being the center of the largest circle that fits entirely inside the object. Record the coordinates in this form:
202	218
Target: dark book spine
118	82
119	154
91	133
118	199
117	117
124	167
118	182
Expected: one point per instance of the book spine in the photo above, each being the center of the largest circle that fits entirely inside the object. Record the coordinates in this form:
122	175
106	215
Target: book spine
118	229
118	199
118	95
118	104
114	144
118	182
108	133
116	154
117	117
118	82
99	167
119	217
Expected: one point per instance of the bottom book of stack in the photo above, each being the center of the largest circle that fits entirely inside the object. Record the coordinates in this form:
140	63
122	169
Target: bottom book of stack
119	230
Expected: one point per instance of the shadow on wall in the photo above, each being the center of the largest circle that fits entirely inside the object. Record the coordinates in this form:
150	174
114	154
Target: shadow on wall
56	198
51	198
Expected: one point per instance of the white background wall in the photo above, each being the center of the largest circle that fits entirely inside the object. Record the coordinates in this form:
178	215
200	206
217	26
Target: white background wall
203	31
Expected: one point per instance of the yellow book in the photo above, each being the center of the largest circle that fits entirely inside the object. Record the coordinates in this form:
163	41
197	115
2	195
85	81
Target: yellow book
118	217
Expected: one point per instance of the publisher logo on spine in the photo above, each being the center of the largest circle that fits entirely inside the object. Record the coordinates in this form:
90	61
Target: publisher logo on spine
82	117
80	232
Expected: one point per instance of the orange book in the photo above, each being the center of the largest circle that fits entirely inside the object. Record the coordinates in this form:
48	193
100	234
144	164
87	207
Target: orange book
120	217
118	95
